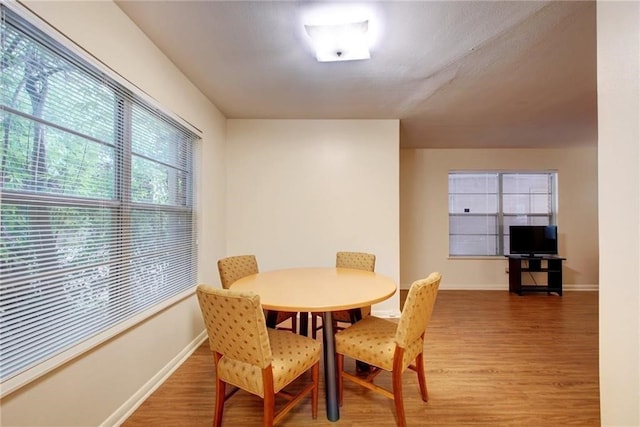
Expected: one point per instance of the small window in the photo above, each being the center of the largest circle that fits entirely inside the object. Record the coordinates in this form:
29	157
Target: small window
483	205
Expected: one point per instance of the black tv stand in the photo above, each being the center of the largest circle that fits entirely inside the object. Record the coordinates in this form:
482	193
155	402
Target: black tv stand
519	264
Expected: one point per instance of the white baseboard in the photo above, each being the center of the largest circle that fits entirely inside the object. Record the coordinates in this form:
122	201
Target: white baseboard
504	287
581	287
127	408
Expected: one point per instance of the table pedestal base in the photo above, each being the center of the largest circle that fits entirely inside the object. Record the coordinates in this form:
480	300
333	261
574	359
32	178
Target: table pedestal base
329	351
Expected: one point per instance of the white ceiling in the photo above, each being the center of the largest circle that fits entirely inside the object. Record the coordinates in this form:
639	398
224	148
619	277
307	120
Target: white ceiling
457	74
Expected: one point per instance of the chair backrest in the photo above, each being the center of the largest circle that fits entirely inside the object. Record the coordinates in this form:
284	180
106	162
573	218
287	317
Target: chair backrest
417	309
236	267
356	260
235	324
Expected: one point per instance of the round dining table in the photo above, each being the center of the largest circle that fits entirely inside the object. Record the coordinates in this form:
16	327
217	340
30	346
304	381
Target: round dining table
319	290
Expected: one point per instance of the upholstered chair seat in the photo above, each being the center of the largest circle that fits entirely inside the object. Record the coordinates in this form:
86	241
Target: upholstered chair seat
379	336
291	355
390	346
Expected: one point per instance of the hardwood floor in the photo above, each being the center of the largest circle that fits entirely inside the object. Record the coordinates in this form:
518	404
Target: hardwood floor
492	359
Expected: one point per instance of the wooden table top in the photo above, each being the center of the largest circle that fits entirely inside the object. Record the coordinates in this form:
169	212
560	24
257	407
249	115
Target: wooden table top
317	289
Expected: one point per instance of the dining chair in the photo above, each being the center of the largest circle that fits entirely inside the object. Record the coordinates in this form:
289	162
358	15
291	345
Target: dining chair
234	268
390	346
355	260
254	358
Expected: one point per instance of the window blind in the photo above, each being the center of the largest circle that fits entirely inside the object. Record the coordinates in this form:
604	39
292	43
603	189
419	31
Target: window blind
97	200
484	204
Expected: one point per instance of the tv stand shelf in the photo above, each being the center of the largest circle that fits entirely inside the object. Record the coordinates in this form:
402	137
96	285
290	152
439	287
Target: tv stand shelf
549	264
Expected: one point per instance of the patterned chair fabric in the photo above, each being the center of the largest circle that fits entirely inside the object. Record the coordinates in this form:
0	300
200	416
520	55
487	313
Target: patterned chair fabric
391	346
251	357
357	261
234	268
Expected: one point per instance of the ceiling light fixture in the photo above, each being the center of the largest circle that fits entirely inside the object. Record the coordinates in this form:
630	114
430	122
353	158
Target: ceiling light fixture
342	42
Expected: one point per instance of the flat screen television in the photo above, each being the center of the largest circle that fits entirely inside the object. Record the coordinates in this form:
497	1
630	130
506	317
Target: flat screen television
532	240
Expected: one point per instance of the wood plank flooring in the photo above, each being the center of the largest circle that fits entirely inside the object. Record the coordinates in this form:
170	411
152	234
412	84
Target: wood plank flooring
492	359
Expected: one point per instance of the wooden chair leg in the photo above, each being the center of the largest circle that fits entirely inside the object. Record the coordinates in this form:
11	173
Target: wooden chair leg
269	402
396	376
294	324
217	413
339	369
269	399
421	377
315	373
220	393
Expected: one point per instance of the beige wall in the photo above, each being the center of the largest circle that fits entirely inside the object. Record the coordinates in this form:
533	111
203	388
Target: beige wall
93	387
619	166
300	190
424	221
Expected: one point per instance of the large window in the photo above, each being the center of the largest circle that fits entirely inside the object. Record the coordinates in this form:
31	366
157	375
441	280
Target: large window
96	214
482	206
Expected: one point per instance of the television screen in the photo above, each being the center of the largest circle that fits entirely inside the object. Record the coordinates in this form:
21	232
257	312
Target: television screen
533	239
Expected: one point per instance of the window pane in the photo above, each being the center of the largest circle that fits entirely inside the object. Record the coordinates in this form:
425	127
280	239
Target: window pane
526	203
55	268
154	138
522	183
470	183
473	203
473	224
150	182
57	163
155	267
461	245
473	234
160	163
43	84
38	239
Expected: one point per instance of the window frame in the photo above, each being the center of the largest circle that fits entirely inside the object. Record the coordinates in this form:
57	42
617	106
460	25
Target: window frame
500	215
